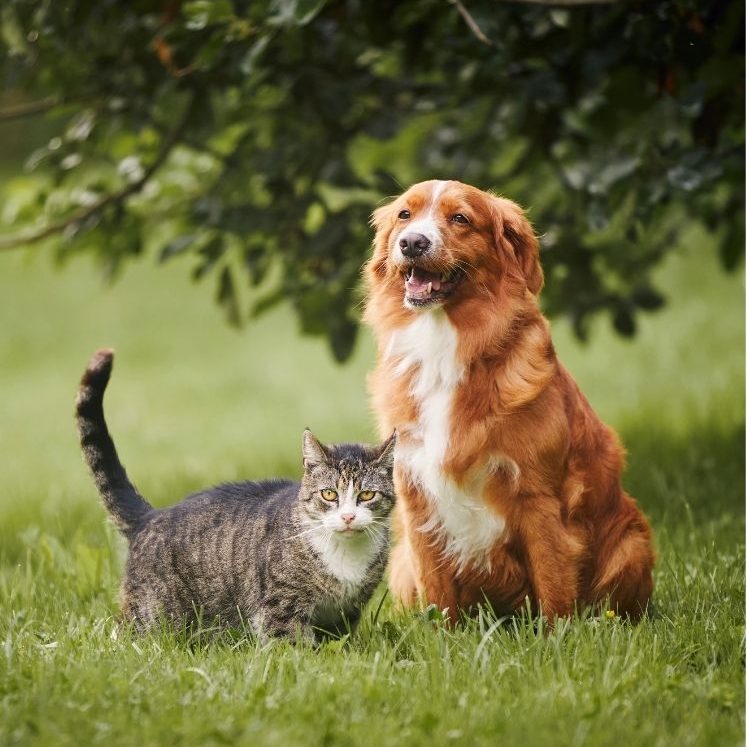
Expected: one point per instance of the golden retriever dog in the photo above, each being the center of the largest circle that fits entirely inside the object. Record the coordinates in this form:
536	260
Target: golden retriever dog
508	483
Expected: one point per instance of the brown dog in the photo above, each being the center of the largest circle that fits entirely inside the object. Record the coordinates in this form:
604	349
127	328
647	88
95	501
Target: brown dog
508	483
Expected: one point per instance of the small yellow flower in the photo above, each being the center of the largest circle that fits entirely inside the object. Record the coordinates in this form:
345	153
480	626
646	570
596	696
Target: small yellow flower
610	614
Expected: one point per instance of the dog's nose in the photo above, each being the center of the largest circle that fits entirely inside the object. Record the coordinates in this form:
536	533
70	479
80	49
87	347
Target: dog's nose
414	244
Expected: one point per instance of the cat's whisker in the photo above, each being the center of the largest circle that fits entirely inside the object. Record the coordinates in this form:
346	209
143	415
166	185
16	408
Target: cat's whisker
379	527
304	533
307	526
374	533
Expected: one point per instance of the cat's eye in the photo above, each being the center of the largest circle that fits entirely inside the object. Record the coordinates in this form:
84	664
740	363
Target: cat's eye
366	495
329	495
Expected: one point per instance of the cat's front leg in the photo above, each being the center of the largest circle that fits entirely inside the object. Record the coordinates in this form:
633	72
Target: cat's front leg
272	622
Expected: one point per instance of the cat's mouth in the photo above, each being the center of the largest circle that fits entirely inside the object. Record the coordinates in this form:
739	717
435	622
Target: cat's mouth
350	531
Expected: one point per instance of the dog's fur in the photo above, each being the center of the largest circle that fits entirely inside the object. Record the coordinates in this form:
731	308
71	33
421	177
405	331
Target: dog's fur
508	483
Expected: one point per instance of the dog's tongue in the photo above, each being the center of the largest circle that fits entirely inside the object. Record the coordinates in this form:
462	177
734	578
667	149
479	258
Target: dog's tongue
421	282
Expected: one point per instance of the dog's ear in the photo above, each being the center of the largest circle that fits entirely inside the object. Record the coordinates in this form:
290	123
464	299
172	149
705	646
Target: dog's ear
381	216
511	226
381	221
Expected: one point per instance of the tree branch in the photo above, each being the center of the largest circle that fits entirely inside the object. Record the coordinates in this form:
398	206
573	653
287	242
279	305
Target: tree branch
471	23
478	32
33	237
28	109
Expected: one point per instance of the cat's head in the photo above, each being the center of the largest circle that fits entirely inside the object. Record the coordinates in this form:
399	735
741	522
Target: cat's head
348	489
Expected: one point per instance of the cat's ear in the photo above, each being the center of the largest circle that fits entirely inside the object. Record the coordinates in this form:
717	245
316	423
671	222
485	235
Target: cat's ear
385	457
313	451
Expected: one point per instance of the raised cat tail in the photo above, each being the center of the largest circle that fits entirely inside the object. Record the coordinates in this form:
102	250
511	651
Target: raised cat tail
121	498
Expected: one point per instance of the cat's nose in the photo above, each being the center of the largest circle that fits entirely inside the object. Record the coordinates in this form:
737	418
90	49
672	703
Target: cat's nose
347	518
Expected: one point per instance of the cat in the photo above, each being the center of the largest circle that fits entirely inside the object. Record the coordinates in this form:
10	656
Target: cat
285	559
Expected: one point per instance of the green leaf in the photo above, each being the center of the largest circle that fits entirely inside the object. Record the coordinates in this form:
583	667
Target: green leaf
177	246
731	248
12	32
342	336
645	297
685	177
249	62
306	10
296	12
226	297
202	13
209	254
623	320
267	302
612	172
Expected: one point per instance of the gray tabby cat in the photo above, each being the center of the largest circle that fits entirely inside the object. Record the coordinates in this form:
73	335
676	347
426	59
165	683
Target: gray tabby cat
283	557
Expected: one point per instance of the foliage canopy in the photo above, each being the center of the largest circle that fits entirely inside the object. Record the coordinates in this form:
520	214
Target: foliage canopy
257	137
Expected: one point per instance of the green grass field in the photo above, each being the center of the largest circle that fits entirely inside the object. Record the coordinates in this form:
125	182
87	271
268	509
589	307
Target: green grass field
193	402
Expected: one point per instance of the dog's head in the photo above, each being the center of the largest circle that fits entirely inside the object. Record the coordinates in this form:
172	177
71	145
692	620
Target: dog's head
443	242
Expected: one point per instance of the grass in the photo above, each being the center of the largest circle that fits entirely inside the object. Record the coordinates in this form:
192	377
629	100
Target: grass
193	402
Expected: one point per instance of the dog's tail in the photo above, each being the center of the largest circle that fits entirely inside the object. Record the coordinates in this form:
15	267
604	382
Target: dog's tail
127	507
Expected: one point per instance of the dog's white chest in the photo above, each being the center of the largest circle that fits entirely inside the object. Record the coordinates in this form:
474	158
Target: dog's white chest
469	527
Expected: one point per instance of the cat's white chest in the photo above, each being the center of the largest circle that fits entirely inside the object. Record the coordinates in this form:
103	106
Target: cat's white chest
347	559
428	346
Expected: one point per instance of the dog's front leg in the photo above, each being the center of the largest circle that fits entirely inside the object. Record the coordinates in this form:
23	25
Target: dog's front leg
554	556
403	574
419	571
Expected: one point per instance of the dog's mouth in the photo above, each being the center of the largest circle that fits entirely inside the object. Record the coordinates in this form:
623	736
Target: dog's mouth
423	287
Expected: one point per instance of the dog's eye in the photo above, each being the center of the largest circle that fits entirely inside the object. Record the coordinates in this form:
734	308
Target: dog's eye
404	214
329	495
459	218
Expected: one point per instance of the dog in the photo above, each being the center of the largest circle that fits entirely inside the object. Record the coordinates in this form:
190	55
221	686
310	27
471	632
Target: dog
508	482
